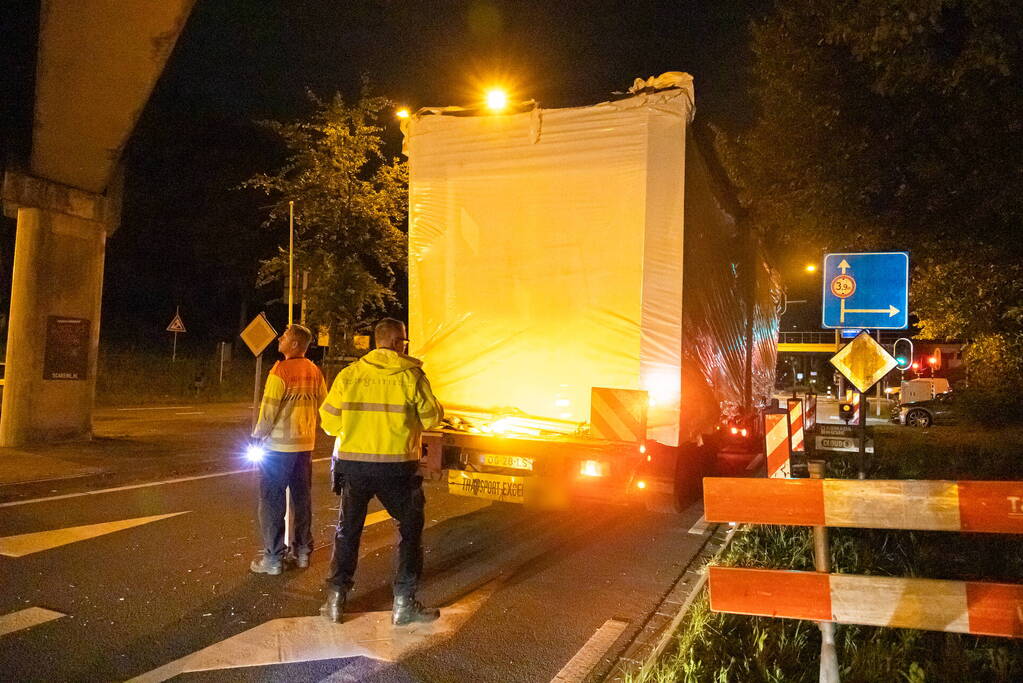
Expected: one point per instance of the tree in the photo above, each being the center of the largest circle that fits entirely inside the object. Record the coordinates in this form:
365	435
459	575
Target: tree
897	124
886	123
351	203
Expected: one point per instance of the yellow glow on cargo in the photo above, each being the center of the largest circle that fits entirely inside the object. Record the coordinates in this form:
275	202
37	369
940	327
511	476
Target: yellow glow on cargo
402	113
562	403
663	388
497	99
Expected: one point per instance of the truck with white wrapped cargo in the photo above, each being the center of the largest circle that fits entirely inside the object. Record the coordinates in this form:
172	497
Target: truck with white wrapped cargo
586	302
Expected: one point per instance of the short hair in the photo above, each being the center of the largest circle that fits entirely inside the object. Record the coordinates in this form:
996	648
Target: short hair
385	332
301	334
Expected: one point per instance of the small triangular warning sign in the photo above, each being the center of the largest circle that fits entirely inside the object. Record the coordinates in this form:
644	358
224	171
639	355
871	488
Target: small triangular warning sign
176	325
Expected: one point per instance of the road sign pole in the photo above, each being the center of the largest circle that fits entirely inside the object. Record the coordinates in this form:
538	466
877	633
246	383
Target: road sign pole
255	390
822	563
174	352
863	436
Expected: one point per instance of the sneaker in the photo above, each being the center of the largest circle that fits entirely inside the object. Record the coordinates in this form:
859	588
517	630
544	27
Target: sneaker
302	560
334	608
266	565
408	610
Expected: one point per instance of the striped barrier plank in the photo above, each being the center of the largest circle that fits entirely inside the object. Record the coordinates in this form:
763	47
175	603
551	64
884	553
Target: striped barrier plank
796	425
618	414
990	609
776	444
974	506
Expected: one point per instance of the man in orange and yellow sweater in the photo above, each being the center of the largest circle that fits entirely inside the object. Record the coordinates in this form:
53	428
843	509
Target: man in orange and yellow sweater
287	430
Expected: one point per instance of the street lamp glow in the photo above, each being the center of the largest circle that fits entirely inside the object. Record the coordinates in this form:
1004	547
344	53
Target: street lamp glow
402	113
810	268
497	99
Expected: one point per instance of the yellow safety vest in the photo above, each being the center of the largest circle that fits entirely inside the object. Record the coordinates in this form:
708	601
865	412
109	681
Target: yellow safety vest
378	408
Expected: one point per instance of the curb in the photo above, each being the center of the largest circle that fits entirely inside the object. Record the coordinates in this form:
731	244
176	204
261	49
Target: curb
646	648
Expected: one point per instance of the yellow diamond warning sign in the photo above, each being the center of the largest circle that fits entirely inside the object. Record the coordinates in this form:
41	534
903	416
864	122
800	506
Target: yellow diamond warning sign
258	334
863	362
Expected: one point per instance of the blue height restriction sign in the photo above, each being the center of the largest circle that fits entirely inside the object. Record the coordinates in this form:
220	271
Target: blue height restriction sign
869	290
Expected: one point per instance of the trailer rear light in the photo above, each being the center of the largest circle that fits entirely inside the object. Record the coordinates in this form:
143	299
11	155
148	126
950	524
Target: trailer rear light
642	448
735	430
744	431
640	484
593	468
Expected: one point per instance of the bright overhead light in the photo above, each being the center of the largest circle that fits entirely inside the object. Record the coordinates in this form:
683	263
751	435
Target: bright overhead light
402	113
497	99
810	268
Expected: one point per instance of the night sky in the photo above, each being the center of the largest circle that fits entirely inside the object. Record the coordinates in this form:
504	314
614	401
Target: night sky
189	238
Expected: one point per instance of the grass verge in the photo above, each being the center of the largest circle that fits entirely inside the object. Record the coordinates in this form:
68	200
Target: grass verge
731	648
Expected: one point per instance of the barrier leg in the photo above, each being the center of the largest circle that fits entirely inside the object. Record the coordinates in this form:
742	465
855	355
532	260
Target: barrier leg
822	563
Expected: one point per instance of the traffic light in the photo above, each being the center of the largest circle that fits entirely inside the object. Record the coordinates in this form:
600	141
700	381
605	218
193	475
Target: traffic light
916	365
845	411
903	352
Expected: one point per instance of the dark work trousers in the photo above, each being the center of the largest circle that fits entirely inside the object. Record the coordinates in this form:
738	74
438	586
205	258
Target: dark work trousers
278	471
403	498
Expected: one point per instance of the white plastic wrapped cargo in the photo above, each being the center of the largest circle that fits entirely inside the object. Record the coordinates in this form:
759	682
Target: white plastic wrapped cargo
546	256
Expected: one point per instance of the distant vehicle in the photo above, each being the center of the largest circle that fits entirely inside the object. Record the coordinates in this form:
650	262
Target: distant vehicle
935	411
922	389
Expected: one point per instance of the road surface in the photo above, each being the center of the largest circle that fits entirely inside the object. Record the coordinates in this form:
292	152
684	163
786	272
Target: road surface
150	579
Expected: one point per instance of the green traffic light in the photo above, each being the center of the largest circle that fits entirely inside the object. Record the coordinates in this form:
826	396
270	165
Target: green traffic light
901	360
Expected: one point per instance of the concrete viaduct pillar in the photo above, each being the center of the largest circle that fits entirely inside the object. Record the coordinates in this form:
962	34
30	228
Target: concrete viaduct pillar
97	64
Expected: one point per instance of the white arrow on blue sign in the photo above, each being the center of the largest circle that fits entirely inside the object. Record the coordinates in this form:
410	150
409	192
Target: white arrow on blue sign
869	290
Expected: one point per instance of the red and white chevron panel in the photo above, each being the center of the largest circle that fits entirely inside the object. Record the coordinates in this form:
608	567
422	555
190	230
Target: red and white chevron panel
991	609
980	506
810	411
776	444
855	420
796	424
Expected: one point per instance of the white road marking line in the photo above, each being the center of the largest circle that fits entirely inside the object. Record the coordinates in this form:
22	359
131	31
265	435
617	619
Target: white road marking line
26	618
579	667
700	527
38	541
195	412
310	639
154	408
133	486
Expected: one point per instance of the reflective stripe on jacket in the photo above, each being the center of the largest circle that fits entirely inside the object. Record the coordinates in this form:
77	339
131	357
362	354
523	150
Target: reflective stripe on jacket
378	408
287	415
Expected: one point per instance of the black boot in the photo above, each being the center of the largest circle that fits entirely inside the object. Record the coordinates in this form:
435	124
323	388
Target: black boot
334	608
408	610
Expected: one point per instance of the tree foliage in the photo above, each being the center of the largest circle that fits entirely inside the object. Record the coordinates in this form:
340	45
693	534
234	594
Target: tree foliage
898	124
351	205
886	123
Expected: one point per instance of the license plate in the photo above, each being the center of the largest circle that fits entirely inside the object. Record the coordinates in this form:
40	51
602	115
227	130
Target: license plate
490	486
515	462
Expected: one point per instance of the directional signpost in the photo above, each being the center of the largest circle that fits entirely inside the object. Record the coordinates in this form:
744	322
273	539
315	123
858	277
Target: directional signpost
867	290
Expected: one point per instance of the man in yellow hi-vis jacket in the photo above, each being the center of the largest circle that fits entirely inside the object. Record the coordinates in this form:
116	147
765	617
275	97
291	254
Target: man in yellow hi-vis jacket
378	408
287	429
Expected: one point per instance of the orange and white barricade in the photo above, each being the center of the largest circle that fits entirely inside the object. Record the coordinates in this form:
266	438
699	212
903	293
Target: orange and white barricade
798	437
777	448
974	607
810	412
